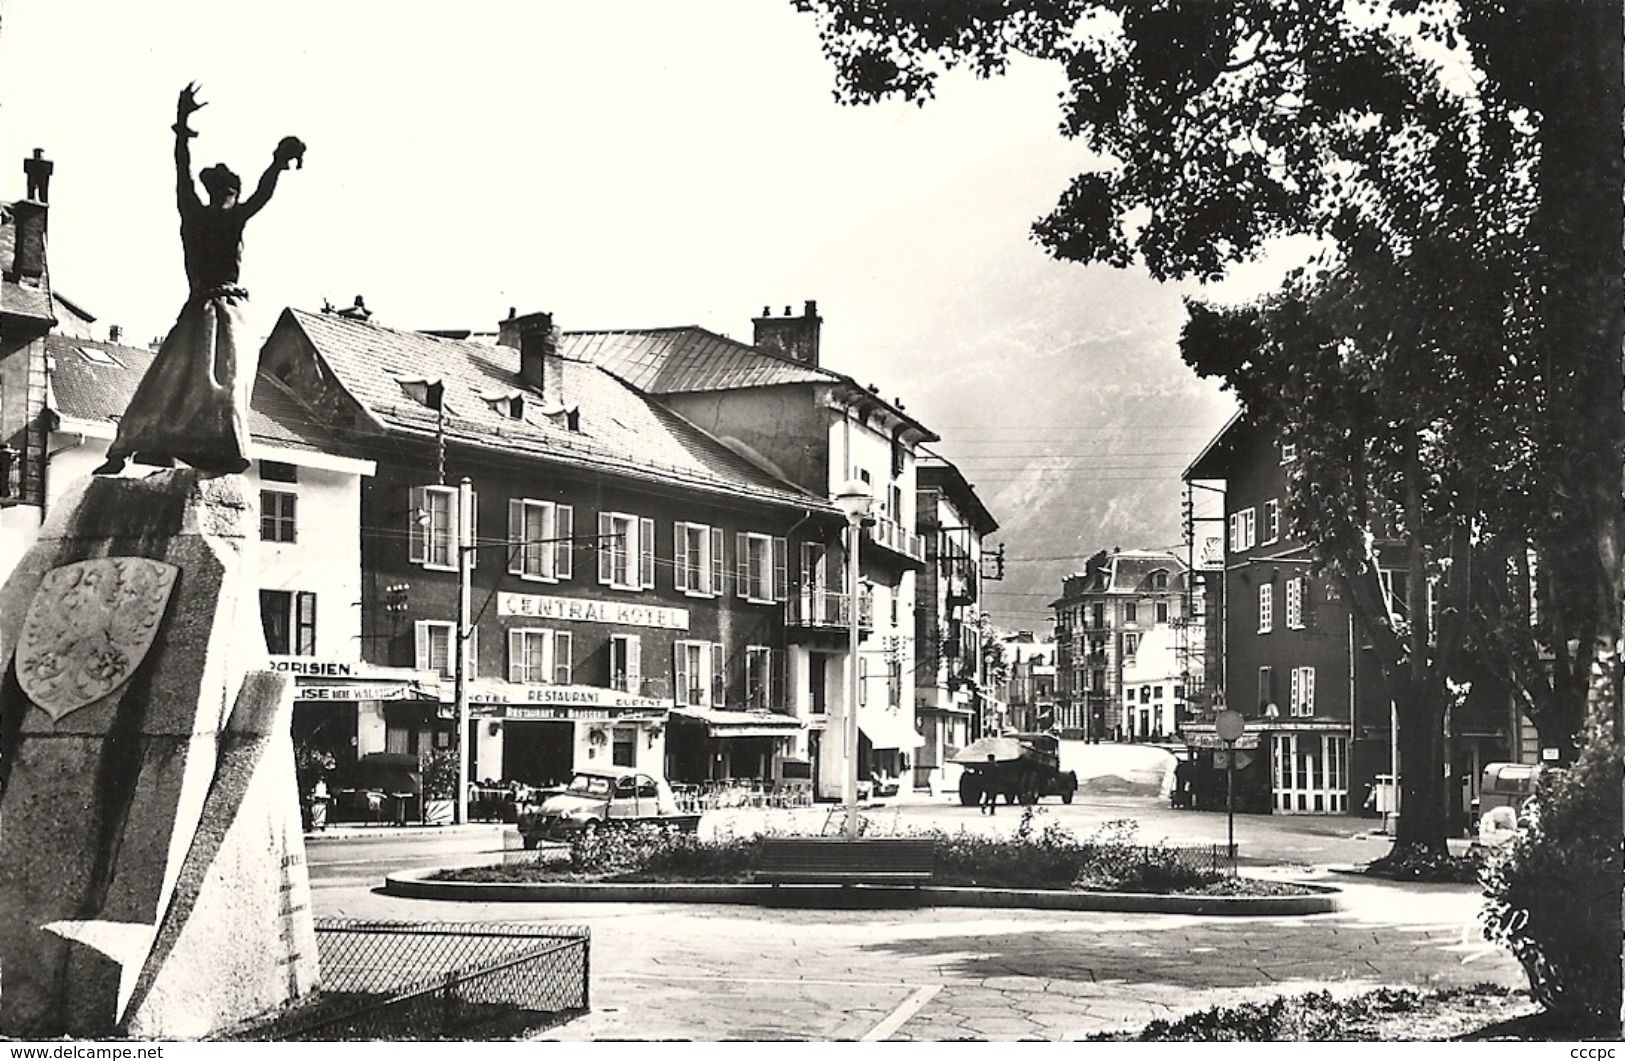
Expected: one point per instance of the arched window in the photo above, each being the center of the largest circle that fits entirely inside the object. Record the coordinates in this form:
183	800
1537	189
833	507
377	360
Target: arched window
1159	580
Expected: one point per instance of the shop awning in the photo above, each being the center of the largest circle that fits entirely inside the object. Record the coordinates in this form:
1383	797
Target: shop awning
888	728
722	723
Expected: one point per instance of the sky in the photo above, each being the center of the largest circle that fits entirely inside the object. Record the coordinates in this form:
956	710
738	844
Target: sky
635	163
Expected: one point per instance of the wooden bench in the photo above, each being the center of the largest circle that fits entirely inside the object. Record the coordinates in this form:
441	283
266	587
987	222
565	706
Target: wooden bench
837	860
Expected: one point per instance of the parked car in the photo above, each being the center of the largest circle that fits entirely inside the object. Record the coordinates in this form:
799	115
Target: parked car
1505	793
600	797
1021	766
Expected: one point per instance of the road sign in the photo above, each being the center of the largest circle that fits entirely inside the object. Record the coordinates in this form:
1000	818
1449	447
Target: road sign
1229	725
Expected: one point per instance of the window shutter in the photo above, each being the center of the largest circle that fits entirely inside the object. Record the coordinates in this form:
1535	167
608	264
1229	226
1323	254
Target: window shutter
606	548
716	561
564	549
776	681
417	535
563	664
719	677
634	664
646	552
863	681
1297	686
1309	689
679	539
742	563
516	656
305	629
679	669
421	649
473	652
516	537
781	578
1235	531
473	529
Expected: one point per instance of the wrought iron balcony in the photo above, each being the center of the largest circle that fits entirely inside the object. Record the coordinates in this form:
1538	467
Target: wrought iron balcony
893	536
823	610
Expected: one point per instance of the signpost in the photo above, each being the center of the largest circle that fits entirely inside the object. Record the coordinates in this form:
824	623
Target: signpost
1230	726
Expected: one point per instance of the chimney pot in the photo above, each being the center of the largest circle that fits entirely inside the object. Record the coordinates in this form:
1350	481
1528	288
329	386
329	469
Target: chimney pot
795	338
37	170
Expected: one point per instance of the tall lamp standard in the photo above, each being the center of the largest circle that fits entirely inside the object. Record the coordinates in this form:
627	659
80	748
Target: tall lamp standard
853	499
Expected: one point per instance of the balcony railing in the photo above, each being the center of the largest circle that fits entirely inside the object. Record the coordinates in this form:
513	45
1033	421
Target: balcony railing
822	610
889	534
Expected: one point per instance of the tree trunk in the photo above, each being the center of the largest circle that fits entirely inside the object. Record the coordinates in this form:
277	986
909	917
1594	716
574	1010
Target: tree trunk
1424	819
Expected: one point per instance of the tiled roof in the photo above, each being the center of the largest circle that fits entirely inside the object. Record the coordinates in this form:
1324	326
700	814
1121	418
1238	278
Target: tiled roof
19	300
96	388
690	358
620	430
678	360
1131	570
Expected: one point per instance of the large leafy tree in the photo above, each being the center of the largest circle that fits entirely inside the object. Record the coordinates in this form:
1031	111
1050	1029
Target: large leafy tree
1450	370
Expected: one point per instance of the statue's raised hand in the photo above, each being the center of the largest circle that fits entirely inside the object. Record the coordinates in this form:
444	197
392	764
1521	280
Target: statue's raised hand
188	103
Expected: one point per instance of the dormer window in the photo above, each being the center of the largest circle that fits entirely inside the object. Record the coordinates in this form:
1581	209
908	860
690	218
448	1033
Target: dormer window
1159	580
97	356
430	393
507	404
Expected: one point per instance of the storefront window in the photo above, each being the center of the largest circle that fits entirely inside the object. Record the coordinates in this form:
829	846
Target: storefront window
625	749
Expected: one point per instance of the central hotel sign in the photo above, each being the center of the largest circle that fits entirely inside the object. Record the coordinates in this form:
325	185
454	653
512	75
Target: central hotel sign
579	610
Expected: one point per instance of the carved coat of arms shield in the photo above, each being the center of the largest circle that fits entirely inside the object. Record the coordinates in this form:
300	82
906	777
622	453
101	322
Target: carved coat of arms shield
88	627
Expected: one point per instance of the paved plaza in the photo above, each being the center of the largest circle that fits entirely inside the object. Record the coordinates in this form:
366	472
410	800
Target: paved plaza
736	972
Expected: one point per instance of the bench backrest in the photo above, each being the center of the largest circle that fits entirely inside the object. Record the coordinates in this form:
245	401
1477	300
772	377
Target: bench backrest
903	854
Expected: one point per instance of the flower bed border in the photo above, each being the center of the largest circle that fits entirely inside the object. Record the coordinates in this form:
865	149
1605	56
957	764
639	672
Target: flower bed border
414	884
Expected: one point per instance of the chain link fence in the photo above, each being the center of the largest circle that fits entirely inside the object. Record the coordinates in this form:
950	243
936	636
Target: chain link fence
436	980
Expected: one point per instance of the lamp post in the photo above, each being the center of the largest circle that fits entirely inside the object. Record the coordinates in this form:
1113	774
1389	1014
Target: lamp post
853	499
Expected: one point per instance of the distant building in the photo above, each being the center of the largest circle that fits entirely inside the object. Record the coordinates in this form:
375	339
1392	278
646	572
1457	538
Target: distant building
951	690
1102	618
1030	687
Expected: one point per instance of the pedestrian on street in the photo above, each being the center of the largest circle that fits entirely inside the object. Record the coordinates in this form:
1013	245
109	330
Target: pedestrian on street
990	793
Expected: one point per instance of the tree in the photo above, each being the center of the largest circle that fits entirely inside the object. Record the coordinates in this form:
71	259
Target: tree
1467	188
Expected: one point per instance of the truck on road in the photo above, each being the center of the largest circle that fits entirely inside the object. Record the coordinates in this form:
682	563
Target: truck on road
1020	766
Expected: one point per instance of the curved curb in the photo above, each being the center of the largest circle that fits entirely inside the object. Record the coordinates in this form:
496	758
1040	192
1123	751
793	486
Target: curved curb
413	884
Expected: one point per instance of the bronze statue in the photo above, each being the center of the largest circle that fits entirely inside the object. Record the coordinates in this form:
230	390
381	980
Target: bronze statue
193	402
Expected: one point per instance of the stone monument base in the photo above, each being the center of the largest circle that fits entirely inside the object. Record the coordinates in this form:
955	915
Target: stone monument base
152	876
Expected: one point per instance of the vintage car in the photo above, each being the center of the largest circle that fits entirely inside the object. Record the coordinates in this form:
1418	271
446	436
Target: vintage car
1021	766
599	797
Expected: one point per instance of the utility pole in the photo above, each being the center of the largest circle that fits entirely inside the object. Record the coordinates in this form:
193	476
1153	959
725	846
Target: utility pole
465	598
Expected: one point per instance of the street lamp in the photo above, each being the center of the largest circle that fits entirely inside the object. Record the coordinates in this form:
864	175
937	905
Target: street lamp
854	499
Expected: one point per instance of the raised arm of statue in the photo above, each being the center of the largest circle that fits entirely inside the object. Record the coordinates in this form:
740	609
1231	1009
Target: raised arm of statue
185	190
290	150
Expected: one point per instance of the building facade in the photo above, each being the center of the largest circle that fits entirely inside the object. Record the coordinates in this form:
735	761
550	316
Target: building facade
1295	663
951	691
1102	619
816	429
629	573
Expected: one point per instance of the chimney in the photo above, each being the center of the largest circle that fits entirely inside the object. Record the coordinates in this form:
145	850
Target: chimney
357	312
793	337
115	334
537	341
29	216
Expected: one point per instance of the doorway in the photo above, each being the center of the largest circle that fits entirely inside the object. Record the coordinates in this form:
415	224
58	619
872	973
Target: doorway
538	753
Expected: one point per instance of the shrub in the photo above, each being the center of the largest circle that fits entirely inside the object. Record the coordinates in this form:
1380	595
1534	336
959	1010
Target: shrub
648	852
1552	896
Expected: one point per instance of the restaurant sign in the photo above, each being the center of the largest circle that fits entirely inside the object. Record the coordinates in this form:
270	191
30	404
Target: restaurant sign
562	696
582	610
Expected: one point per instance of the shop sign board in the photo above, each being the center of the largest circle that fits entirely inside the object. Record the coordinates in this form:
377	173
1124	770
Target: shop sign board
584	610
